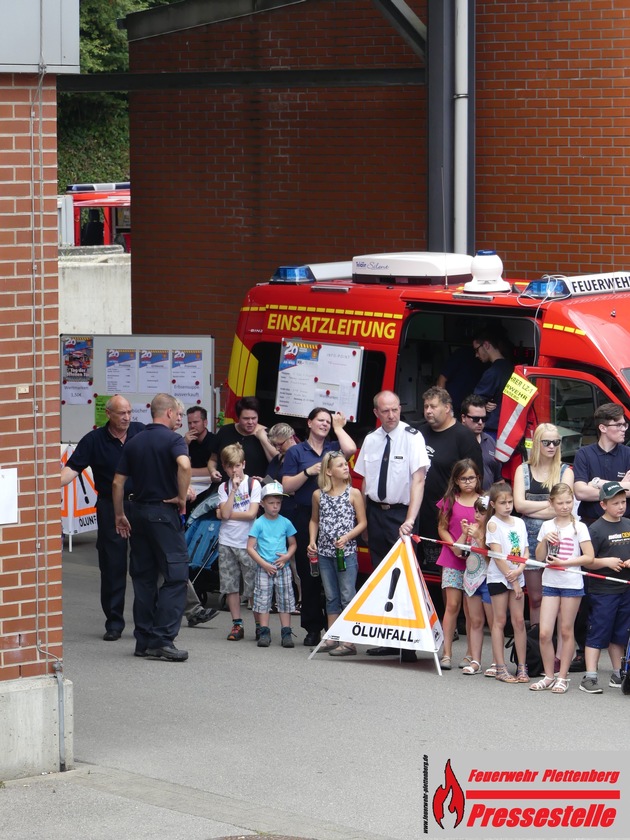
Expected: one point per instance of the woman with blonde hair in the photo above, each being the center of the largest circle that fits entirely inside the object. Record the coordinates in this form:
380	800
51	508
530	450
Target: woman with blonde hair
337	519
533	481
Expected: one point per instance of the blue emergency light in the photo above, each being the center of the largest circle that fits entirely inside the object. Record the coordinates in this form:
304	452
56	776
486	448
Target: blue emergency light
293	274
547	287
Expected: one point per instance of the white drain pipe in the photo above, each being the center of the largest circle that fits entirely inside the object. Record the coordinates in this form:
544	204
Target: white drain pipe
460	130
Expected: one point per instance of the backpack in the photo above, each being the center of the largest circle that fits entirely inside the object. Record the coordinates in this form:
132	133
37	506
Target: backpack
202	534
533	659
250	486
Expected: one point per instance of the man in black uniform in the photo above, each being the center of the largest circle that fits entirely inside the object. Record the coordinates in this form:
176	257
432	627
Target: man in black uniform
159	466
100	449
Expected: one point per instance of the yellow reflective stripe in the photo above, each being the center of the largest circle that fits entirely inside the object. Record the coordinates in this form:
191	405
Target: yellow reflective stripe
562	328
314	310
243	372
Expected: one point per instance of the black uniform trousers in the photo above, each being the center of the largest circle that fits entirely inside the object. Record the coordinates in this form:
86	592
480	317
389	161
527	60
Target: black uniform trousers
384	523
313	613
158	547
112	562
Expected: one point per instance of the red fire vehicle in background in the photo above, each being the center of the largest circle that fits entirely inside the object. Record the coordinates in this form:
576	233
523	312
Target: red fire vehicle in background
409	312
100	214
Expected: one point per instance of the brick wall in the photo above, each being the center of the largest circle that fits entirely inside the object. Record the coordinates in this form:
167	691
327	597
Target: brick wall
229	184
553	107
30	556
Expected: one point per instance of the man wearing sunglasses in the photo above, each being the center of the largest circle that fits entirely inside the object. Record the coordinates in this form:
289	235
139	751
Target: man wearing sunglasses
474	416
606	460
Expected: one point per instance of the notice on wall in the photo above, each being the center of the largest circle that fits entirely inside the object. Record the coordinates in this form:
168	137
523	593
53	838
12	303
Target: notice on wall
121	375
8	496
314	374
77	373
154	371
187	381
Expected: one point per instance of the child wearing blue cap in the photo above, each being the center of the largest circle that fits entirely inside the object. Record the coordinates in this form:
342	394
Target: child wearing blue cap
271	544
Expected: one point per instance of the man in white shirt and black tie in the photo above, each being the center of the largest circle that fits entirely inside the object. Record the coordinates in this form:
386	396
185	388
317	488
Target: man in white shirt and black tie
393	488
393	462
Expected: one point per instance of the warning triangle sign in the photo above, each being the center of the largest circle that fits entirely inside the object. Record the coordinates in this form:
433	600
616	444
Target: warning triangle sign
78	501
393	608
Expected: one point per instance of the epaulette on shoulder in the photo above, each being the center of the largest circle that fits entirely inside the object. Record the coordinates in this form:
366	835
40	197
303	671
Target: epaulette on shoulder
411	429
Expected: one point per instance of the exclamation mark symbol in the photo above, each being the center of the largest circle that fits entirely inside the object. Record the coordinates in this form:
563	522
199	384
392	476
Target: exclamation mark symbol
389	606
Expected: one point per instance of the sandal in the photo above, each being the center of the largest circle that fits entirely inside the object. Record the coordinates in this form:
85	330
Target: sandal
445	663
344	650
326	647
491	671
473	667
544	684
503	675
561	686
521	674
465	661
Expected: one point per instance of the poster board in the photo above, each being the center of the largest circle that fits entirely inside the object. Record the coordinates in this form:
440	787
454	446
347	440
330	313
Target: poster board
312	373
95	367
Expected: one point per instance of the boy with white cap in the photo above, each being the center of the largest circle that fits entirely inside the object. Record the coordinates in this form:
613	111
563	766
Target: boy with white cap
271	545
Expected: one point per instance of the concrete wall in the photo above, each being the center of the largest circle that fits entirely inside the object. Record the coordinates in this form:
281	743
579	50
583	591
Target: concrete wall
95	291
30	727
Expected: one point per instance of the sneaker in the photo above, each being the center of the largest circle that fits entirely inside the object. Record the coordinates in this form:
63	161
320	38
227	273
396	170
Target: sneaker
236	633
168	653
265	637
258	632
615	681
590	686
200	615
287	638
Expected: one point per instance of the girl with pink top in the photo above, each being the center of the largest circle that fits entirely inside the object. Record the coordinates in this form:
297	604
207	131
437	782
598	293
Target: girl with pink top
457	504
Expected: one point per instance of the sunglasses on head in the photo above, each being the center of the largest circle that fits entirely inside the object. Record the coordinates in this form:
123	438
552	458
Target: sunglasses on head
556	442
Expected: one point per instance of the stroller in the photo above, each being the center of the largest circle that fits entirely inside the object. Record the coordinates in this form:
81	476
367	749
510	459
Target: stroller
202	539
625	670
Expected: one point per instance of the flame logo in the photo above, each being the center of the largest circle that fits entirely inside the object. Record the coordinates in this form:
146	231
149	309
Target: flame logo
452	788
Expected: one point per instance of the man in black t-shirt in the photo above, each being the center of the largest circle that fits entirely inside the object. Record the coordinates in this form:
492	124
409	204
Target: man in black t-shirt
100	450
447	442
201	442
252	437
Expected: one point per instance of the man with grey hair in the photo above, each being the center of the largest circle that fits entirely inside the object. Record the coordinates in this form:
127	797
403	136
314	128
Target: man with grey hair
159	466
100	450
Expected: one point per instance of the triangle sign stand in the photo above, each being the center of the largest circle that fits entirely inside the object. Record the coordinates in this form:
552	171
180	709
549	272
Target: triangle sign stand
392	608
78	502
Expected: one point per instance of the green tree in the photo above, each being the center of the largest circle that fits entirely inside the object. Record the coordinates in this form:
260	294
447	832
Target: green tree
93	129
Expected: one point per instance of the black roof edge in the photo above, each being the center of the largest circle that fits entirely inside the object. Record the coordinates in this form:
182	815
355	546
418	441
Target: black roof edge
339	77
188	14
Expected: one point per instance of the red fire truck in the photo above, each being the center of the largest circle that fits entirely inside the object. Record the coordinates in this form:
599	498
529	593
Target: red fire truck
101	214
409	312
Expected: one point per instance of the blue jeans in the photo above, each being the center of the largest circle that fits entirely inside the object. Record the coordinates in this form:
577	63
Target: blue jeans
339	587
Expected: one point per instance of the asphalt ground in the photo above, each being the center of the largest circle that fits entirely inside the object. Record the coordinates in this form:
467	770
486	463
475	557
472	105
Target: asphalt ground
242	741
